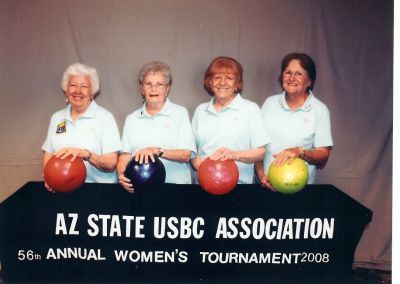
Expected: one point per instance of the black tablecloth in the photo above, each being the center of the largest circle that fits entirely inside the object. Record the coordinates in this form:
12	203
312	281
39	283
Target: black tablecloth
89	227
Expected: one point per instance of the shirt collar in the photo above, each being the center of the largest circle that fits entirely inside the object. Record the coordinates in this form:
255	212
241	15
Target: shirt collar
89	113
235	104
305	107
165	110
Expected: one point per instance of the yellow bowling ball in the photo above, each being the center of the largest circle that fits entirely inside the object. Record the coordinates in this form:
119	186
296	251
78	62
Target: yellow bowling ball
289	178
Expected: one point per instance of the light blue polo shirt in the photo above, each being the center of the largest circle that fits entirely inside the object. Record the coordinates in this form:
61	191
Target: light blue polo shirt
168	129
239	126
308	126
96	130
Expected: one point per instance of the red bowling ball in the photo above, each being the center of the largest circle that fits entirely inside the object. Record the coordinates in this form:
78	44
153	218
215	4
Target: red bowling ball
218	177
62	175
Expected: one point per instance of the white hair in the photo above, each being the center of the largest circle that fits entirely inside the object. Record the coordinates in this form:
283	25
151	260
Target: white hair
155	67
79	69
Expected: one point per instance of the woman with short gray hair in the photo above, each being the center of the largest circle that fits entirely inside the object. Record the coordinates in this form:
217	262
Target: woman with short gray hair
159	128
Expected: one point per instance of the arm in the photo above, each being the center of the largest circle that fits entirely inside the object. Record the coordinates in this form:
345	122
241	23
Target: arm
178	155
104	162
246	156
317	156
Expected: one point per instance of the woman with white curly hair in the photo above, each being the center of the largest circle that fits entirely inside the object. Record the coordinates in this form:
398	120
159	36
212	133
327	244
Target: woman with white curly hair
84	129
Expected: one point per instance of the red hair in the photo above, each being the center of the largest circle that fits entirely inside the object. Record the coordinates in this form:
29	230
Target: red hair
225	65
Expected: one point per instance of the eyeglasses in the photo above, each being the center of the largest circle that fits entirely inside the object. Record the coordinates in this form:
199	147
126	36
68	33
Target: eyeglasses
76	85
296	75
150	86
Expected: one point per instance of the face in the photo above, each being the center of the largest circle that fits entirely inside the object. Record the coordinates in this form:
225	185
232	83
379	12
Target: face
79	92
295	79
155	88
223	85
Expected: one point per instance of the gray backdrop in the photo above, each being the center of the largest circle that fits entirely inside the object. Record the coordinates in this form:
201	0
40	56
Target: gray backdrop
350	40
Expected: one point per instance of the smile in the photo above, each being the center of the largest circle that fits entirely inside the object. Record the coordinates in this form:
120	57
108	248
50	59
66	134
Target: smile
79	98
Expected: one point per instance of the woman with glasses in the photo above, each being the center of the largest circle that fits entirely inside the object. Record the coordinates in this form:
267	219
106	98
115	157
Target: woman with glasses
83	128
229	126
159	128
296	121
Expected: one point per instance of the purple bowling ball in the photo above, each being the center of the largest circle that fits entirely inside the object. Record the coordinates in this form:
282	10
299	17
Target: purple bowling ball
145	175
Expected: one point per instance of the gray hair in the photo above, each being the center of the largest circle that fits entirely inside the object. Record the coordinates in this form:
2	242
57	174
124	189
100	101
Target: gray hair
79	69
155	67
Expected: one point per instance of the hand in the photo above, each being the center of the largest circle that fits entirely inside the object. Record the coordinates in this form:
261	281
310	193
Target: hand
286	155
264	181
223	154
74	152
125	183
196	162
143	155
48	187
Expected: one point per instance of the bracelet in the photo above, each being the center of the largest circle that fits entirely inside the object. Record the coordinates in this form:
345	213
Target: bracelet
90	155
302	152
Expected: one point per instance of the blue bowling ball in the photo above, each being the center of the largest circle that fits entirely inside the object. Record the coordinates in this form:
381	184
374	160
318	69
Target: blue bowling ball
145	175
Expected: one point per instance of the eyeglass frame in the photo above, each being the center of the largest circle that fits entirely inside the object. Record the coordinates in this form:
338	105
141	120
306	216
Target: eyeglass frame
297	74
157	86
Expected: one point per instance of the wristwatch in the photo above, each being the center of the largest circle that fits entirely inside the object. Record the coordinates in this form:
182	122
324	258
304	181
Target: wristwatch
302	152
89	156
160	151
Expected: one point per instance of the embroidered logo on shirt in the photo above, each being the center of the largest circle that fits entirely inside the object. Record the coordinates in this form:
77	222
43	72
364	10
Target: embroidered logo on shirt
61	127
